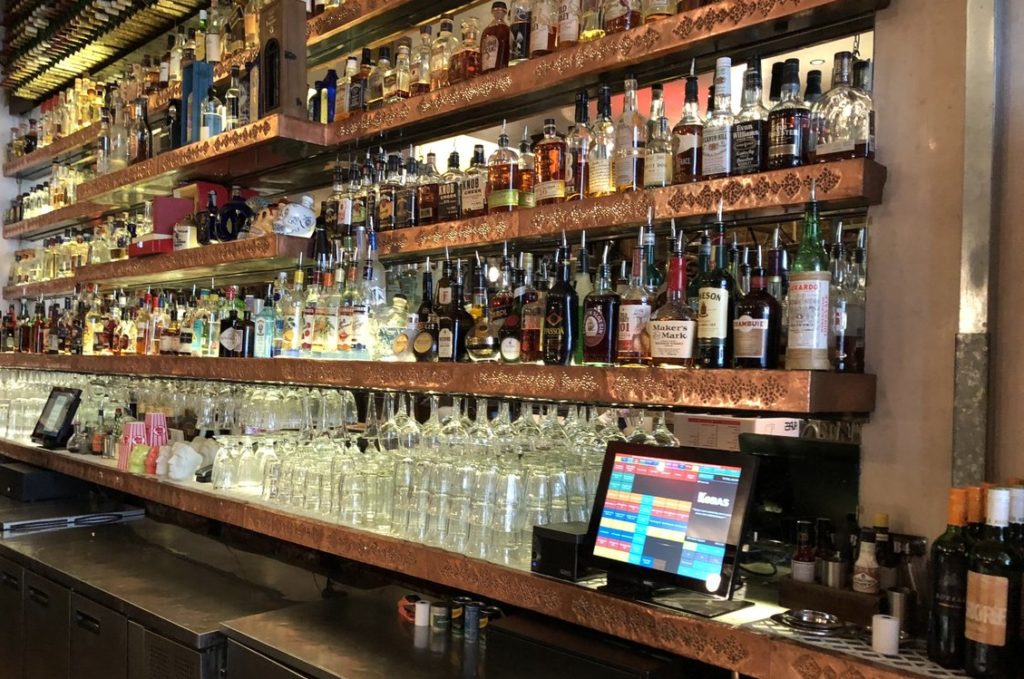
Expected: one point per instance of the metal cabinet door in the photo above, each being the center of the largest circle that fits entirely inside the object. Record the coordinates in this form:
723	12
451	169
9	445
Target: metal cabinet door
11	623
99	640
46	607
244	663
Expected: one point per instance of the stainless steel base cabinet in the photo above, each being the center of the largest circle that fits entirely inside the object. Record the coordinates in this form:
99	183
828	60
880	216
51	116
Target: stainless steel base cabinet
47	631
152	656
99	641
11	619
245	663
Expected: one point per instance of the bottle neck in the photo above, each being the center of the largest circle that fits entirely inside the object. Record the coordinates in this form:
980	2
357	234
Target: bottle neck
757	280
677	277
629	98
657	108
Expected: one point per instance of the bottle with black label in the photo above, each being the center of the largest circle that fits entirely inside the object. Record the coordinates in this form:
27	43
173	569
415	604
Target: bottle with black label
757	325
993	610
558	336
454	324
949	586
474	185
789	123
601	318
519	25
750	131
449	200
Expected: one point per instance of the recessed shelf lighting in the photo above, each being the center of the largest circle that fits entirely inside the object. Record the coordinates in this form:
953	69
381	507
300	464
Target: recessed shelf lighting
817	62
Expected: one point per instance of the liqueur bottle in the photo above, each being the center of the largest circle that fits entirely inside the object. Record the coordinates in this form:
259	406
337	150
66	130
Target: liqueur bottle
993	610
578	143
717	143
601	181
601	318
808	303
621	15
949	586
672	330
558	336
789	123
375	83
550	163
688	137
716	291
503	176
758	324
635	312
495	40
630	140
750	131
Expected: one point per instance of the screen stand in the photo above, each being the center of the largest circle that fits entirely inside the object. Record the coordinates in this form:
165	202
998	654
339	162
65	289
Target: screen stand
677	598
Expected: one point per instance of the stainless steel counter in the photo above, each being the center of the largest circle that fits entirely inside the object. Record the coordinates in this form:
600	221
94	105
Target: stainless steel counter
177	583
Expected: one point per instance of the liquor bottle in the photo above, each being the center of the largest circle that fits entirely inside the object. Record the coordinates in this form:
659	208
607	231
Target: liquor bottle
251	23
407	197
583	285
533	308
177	55
635	311
211	120
578	143
789	123
558	336
550	163
601	318
630	140
441	51
443	298
375	83
591	25
482	343
808	302
419	66
234	218
658	155
527	175
842	345
454	324
569	15
230	329
465	62
716	308
388	195
165	63
519	31
357	84
263	342
621	15
672	330
602	150
502	302
401	88
428	189
812	90
474	185
856	293
289	317
717	144
750	131
543	27
449	202
703	266
214	33
758	324
654	279
503	176
949	586
842	122
993	596
141	140
657	9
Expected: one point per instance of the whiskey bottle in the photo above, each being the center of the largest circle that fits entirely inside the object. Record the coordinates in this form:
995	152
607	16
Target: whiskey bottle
550	160
357	84
812	90
630	139
621	15
658	155
527	175
441	51
510	332
503	177
428	190
716	308
543	28
502	303
672	330
635	312
578	144
601	318
533	308
454	324
657	9
789	123
949	556
558	337
519	31
419	67
465	62
407	195
757	325
808	303
717	145
842	122
568	23
750	131
474	185
495	40
449	196
703	266
601	181
375	83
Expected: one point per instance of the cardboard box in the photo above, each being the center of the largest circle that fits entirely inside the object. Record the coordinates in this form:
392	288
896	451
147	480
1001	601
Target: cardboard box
169	211
153	245
722	432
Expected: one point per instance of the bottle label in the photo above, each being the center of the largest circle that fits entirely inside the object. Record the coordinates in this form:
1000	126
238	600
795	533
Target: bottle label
865	579
533	320
626	170
540	33
445	343
747	147
807	339
987	602
165	71
839	318
346	321
448	202
489	53
356	92
444	295
527	199
231	339
787	135
552	190
658	169
519	49
473	199
510	349
503	198
626	138
672	339
595	327
713	313
717	150
633	318
423	343
568	21
405	207
264	332
385	208
658	7
360	328
838	146
600	180
213	47
750	337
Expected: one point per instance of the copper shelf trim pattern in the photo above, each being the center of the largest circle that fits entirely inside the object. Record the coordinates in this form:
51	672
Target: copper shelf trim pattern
780	391
352	12
79	212
40	158
736	648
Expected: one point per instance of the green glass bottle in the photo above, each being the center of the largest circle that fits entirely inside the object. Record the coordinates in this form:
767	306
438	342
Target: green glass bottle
809	280
949	586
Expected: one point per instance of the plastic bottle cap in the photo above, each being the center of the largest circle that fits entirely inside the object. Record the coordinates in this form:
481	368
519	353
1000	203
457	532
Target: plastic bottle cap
881	520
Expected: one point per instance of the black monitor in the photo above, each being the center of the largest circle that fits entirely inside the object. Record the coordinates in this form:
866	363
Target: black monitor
670	517
55	423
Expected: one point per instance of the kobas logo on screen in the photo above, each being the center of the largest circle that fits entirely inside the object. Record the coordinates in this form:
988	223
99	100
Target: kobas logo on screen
705	499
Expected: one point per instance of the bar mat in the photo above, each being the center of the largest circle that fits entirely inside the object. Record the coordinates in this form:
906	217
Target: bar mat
912	658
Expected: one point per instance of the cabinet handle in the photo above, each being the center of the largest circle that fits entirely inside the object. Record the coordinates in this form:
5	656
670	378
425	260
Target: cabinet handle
39	596
87	622
11	580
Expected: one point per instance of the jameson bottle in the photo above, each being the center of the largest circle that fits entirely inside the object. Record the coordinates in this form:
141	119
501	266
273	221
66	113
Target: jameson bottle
994	597
808	306
758	324
558	336
949	586
716	299
601	318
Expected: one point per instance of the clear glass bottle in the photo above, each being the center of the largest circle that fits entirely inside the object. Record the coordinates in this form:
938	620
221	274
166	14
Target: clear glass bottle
808	302
602	150
591	24
634	312
502	176
375	83
212	121
578	143
551	165
543	27
658	155
232	101
520	24
474	185
842	122
717	145
630	140
419	64
750	128
495	41
621	15
688	137
465	62
789	123
441	51
401	88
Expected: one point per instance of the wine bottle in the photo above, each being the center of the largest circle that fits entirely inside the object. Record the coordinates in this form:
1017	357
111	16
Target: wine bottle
949	586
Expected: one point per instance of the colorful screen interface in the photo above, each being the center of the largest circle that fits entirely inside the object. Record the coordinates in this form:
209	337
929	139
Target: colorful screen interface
668	515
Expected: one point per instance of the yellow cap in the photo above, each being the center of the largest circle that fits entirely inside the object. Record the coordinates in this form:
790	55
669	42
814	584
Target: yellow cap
881	520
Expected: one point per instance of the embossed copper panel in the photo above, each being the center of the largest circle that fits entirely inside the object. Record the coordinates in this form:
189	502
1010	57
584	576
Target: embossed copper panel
41	158
58	286
716	643
780	391
262	145
81	211
325	25
463	233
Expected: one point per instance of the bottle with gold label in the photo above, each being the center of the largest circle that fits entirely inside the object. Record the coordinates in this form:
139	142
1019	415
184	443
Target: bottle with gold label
550	161
601	181
503	176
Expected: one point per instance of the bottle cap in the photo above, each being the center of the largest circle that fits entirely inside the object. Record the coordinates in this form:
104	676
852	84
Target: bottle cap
723	76
881	520
499	5
384	53
1017	505
975	504
957	507
998	509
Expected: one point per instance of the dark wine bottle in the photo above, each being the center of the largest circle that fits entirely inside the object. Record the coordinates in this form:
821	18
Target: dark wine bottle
949	586
558	336
993	597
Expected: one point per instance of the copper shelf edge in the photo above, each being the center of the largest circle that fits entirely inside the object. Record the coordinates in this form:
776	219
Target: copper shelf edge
353	12
716	643
81	211
177	266
42	157
776	391
660	39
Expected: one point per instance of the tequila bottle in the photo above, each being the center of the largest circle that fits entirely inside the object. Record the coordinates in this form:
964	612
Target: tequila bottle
601	181
630	140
